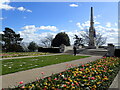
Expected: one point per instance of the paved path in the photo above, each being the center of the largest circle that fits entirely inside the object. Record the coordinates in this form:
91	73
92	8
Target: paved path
116	83
30	75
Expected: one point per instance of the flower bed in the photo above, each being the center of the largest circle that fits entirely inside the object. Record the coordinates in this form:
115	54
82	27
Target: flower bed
19	54
91	76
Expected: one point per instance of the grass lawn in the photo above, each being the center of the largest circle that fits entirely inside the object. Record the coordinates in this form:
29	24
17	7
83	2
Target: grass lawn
15	65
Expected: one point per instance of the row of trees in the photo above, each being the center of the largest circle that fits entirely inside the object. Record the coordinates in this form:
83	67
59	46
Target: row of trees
11	42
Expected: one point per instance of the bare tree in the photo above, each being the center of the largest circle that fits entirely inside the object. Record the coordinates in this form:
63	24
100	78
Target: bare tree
85	37
47	41
99	39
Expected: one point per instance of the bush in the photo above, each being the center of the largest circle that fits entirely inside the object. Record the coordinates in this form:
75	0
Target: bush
117	52
51	50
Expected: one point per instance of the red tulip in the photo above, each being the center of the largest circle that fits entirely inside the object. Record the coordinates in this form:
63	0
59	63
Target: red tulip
84	76
104	71
68	83
37	78
23	87
42	72
82	69
104	57
49	78
64	85
82	65
93	78
89	78
77	84
43	77
73	84
21	82
44	89
65	78
55	79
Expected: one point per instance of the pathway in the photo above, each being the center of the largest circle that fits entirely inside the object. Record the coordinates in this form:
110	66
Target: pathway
116	83
30	75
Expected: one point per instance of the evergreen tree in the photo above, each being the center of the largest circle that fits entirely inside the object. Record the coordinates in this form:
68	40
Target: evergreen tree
61	38
32	46
11	41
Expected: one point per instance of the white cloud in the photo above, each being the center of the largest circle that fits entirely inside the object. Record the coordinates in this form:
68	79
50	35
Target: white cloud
1	33
30	27
94	17
33	27
96	22
70	20
116	24
23	9
4	4
86	24
79	25
98	15
30	34
73	5
4	1
24	17
51	28
6	7
1	18
108	24
106	31
29	10
62	30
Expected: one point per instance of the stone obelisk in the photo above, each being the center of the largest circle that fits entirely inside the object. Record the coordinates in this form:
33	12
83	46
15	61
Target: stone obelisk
92	34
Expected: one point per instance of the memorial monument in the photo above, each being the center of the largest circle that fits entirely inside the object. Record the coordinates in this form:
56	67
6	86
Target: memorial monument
92	33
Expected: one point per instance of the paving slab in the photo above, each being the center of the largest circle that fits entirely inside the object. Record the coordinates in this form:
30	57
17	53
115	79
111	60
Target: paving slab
11	80
116	83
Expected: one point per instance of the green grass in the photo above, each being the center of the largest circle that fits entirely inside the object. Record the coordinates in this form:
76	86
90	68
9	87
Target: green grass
15	65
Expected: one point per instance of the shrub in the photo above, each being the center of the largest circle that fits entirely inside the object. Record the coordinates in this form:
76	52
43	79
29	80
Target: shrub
117	52
51	50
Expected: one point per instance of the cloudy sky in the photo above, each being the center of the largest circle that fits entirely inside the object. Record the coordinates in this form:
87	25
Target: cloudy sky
35	20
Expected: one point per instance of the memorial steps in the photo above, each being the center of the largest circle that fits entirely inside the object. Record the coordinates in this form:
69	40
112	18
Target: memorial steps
96	52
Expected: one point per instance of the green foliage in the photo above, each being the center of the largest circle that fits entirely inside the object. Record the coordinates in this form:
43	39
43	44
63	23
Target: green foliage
61	38
32	46
11	41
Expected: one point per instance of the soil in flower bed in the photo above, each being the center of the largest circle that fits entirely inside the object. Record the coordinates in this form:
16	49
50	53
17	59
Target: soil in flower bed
97	75
15	65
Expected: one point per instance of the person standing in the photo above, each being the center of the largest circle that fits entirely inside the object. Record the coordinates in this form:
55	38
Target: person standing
75	50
